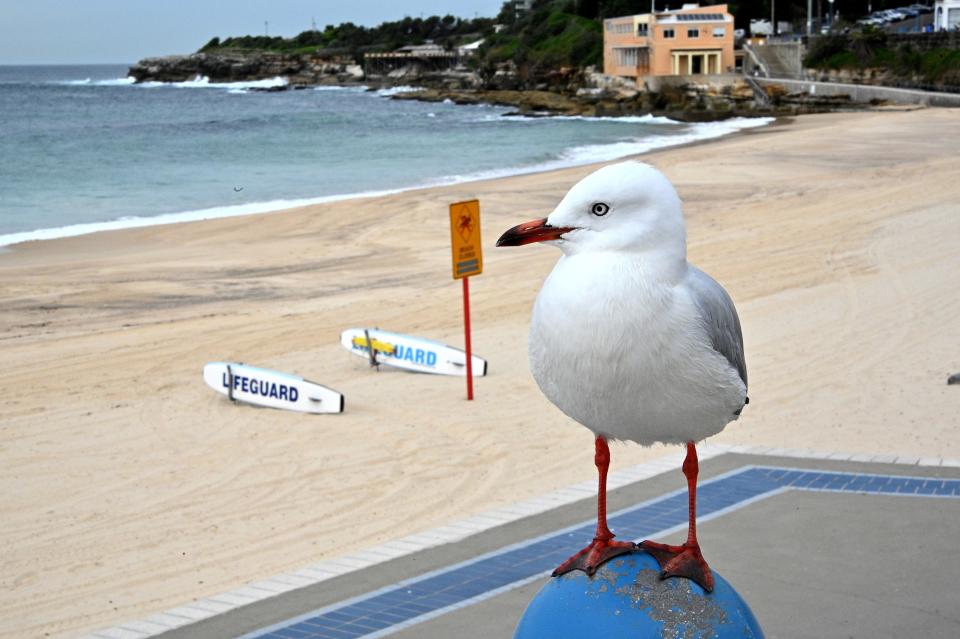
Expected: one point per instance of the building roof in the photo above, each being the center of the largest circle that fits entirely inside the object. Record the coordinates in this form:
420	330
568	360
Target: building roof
688	13
473	46
419	48
672	18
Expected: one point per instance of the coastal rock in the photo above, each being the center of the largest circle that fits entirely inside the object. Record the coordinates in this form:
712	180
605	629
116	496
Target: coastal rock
527	102
560	92
353	71
244	67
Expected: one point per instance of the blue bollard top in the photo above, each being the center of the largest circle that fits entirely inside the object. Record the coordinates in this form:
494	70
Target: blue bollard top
627	599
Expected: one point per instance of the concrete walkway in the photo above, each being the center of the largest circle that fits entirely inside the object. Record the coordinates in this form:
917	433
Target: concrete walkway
863	93
820	548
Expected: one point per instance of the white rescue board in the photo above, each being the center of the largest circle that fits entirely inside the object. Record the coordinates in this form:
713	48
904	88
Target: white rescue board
410	353
271	388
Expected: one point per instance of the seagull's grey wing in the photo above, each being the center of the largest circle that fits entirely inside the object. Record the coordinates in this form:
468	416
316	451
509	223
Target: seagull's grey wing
719	318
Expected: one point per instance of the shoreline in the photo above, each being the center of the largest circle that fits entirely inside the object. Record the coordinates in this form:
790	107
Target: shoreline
728	127
130	488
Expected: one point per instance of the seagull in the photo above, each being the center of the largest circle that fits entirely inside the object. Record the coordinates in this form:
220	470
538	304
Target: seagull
632	341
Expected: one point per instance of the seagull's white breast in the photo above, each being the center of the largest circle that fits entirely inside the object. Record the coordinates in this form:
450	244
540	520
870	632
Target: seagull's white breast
622	350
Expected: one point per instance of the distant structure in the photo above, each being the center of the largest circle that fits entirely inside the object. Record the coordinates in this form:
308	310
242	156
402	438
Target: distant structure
521	7
765	28
428	57
693	40
470	49
946	15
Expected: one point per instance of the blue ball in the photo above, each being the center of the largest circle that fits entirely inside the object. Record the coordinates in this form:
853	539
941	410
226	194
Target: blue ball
626	598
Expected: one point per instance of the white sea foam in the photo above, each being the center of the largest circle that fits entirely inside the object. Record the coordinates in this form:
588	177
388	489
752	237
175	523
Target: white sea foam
590	153
356	88
593	153
115	82
628	119
216	212
574	156
386	93
203	82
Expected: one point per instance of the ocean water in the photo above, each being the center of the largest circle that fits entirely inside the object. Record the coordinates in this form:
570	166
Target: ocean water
83	149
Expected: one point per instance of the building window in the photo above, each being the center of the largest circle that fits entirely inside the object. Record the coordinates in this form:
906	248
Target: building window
626	57
669	33
620	27
642	29
693	33
719	32
953	19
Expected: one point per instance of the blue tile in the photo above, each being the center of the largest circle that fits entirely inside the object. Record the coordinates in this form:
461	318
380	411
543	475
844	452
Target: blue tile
456	585
336	634
304	627
338	615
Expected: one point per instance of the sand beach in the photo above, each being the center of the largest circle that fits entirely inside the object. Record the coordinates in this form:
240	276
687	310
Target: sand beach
128	487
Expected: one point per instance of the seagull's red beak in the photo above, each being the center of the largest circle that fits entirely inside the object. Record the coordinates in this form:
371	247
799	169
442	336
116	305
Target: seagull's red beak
530	232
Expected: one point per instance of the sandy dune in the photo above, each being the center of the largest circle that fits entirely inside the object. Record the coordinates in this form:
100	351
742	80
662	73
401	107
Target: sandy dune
128	487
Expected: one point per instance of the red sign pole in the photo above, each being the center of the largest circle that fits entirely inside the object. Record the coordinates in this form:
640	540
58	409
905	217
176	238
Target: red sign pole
466	332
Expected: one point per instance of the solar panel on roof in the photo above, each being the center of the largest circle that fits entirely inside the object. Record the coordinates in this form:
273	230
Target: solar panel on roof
689	17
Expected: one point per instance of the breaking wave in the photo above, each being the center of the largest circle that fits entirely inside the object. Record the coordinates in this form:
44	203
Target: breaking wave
574	156
203	82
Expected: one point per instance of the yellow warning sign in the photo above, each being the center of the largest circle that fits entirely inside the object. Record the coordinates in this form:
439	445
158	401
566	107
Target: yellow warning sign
465	238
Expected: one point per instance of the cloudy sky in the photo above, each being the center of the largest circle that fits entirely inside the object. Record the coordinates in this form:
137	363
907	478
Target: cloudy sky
123	31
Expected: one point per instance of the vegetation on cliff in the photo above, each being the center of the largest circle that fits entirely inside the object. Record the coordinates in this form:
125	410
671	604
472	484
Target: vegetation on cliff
924	59
351	39
549	43
552	34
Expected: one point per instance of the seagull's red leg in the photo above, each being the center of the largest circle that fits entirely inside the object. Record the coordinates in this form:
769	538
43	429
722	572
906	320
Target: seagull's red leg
602	547
685	560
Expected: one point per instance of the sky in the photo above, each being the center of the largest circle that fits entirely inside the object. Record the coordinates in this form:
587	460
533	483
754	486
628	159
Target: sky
124	31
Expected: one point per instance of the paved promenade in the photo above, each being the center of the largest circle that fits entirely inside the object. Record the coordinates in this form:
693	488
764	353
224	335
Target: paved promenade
863	93
818	547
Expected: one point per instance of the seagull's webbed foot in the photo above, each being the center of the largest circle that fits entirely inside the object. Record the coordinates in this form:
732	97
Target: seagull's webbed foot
681	561
594	555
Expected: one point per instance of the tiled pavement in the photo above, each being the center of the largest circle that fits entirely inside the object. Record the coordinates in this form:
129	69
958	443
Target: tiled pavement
406	602
391	609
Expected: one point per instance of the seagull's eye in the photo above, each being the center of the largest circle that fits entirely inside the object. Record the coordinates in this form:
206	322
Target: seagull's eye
599	209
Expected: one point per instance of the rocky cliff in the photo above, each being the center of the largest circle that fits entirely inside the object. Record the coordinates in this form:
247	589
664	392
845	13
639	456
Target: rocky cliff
588	94
239	67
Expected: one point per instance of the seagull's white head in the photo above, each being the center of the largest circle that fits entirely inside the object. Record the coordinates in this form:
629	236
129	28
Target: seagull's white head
629	207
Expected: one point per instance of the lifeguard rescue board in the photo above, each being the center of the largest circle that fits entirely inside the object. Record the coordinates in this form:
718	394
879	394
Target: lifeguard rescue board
273	389
411	353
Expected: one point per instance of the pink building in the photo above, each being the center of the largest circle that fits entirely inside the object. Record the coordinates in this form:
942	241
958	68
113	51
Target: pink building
693	40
